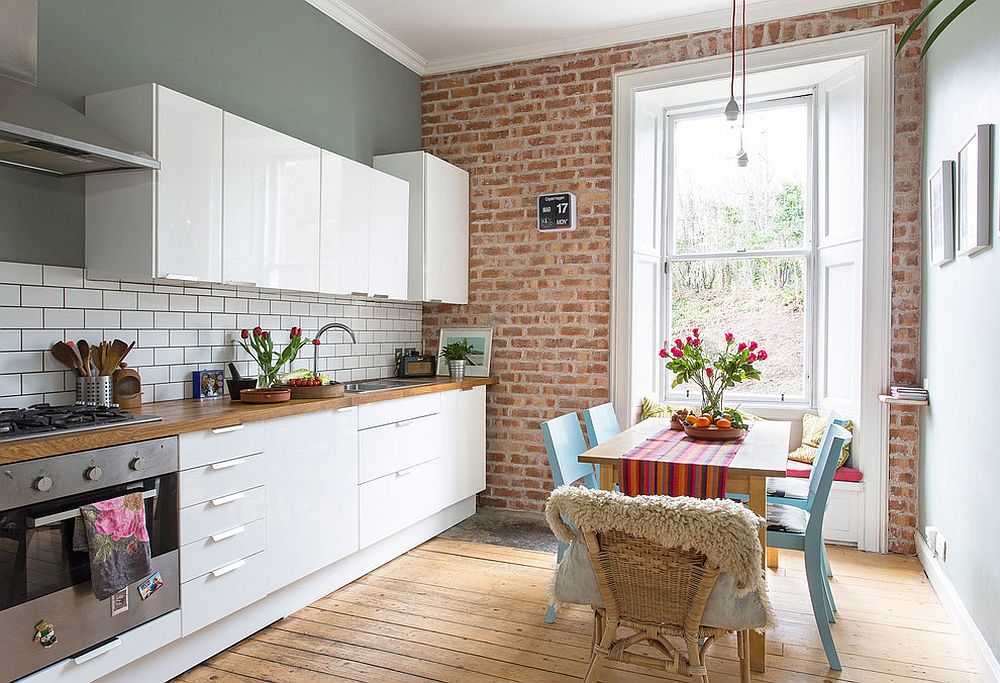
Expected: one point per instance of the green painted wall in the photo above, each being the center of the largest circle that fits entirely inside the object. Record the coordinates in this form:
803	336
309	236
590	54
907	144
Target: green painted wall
281	63
960	458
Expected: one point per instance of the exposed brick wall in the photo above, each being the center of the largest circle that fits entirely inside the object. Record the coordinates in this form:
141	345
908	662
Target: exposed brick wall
544	125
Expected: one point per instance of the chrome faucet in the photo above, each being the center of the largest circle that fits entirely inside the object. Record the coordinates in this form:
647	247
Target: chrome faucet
319	333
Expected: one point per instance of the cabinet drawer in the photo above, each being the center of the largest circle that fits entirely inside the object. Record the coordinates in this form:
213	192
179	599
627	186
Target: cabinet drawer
219	514
221	549
222	592
384	412
399	445
223	443
221	479
394	502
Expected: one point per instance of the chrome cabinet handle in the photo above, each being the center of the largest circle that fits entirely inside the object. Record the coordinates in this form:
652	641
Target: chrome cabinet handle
227	430
181	276
222	571
381	296
227	464
241	283
404	473
232	498
359	293
97	651
404	423
228	534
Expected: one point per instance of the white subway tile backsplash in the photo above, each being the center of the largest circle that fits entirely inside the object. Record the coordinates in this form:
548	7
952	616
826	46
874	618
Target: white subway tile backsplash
15	317
20	273
84	298
177	329
59	276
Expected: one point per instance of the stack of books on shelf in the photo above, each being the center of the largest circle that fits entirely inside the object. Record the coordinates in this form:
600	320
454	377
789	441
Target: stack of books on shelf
909	393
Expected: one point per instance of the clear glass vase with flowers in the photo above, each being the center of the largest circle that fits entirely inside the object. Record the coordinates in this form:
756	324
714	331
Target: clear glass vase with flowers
713	372
259	344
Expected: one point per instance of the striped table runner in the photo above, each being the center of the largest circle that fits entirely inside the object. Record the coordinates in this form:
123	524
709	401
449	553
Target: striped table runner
670	463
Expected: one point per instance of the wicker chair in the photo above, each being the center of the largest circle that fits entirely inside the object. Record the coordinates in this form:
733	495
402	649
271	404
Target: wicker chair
659	594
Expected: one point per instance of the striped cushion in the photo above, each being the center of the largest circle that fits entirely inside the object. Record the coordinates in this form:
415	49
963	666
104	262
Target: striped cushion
786	487
786	518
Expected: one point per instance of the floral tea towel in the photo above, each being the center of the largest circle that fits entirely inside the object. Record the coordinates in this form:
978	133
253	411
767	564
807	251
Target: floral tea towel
118	543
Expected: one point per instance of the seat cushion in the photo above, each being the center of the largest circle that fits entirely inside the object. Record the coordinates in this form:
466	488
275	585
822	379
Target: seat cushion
786	518
813	428
574	582
786	487
802	471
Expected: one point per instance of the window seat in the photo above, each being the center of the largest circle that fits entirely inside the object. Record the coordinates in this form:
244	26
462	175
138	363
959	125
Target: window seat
802	470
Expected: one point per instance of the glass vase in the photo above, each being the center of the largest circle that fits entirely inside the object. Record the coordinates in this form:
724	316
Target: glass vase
265	380
711	401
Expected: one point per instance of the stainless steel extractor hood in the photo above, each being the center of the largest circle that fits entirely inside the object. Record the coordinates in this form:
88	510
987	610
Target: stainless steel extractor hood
39	132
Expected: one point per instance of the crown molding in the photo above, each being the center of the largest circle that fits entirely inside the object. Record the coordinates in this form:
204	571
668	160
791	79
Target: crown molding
761	10
369	31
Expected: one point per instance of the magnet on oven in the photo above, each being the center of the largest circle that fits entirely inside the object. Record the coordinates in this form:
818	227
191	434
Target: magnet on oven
45	634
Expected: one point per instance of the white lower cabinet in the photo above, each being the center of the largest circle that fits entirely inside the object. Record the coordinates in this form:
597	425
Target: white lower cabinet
312	493
464	433
398	500
222	591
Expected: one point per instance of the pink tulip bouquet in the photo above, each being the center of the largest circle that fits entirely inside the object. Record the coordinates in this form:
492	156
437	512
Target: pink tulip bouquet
690	361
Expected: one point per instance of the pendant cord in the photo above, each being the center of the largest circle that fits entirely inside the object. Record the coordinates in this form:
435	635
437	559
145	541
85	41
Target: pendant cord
732	71
743	119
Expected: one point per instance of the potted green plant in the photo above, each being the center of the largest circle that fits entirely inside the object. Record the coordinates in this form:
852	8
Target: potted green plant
457	354
260	345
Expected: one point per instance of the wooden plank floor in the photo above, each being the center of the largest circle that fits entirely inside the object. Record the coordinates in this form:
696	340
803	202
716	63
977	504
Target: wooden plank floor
458	611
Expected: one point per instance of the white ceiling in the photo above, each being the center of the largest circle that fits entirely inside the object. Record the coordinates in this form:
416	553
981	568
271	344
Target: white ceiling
437	36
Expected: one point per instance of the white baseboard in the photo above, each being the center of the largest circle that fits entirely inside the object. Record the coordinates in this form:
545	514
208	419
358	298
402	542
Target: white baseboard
980	651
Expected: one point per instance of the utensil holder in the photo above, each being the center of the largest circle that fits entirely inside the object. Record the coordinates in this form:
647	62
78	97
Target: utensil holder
95	391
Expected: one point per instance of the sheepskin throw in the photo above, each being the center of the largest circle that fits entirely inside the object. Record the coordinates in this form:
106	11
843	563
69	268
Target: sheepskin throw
723	530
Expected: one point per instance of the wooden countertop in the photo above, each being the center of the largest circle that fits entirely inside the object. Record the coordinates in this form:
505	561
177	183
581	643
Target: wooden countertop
191	415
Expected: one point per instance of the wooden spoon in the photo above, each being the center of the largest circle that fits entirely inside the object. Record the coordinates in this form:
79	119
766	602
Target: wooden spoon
119	350
84	348
65	354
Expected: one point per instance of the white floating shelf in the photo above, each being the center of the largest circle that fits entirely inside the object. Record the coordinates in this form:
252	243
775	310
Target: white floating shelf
892	400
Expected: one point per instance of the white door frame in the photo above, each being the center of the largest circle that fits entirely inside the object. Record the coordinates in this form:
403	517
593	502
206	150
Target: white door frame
874	45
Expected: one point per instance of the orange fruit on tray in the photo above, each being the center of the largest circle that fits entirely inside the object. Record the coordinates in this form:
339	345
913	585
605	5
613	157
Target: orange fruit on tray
723	423
691	419
703	422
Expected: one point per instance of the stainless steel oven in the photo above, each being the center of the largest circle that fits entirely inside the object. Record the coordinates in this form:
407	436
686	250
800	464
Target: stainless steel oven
42	577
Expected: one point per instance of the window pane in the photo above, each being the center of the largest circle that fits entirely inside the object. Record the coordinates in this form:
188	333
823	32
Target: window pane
761	299
720	207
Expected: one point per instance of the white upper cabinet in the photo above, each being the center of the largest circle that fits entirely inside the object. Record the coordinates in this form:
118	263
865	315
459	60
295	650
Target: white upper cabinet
271	198
439	226
165	223
345	208
387	253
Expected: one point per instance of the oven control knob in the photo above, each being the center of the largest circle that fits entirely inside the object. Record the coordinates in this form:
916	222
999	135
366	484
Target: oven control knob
94	473
43	483
137	464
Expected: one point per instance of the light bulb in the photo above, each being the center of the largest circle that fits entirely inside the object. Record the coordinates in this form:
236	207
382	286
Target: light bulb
742	159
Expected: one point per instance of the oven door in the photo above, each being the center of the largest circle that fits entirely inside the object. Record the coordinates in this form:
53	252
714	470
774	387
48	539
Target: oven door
43	578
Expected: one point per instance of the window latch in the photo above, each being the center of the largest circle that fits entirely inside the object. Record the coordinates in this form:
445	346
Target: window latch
666	267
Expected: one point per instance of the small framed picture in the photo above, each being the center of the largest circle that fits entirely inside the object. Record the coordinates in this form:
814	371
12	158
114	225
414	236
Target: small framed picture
481	339
207	384
973	192
941	197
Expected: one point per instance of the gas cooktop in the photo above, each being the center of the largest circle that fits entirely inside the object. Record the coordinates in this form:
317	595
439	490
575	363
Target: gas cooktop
42	419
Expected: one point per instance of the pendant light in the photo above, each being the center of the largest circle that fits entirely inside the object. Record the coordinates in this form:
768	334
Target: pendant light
742	158
732	110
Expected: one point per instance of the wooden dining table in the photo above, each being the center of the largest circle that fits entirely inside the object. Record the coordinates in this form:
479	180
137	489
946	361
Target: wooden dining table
764	454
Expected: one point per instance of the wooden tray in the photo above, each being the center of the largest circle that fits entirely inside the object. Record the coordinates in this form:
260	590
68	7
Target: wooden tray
714	433
335	390
265	395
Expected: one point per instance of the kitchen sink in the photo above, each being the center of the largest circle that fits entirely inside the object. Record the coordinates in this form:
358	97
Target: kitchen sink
383	385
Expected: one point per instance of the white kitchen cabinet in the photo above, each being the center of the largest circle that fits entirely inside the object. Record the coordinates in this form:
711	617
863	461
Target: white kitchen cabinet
165	223
271	196
312	493
345	210
388	234
438	225
463	414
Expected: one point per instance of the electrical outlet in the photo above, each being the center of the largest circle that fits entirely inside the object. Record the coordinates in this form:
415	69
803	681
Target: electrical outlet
941	546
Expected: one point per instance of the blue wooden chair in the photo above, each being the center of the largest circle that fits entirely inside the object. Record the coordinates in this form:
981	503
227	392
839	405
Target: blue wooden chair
602	423
801	528
564	443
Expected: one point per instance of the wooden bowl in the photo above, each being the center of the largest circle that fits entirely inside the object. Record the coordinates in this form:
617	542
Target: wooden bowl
334	390
265	395
714	433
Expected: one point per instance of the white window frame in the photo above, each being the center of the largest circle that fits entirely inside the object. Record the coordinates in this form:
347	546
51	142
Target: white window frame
874	46
808	250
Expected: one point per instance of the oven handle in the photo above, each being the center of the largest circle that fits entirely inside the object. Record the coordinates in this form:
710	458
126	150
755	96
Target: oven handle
32	523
